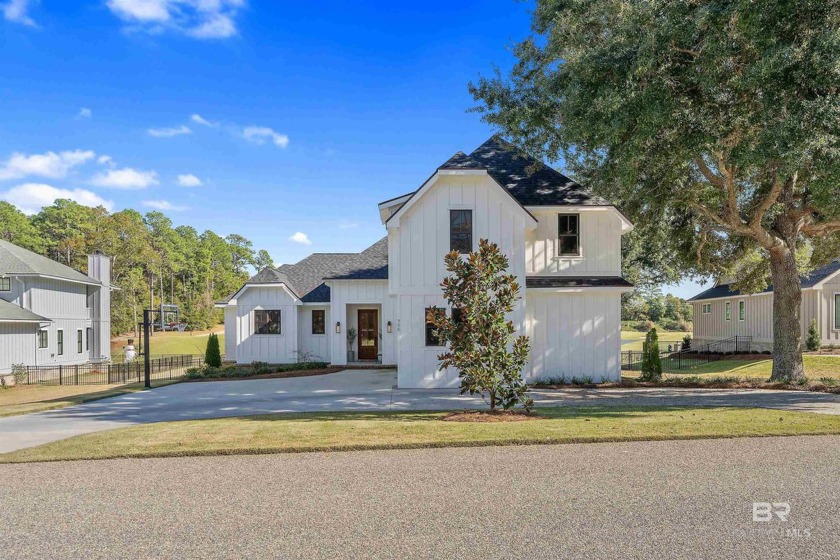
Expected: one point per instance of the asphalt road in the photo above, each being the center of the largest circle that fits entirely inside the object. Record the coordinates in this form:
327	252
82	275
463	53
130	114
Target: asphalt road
651	500
349	390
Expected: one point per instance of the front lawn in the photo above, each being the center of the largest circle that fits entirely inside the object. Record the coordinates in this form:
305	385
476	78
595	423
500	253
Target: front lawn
171	343
815	368
632	340
340	431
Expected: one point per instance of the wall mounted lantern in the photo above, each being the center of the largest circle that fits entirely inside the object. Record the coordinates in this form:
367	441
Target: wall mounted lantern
389	326
338	327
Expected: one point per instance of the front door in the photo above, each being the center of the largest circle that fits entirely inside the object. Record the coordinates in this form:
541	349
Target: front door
368	334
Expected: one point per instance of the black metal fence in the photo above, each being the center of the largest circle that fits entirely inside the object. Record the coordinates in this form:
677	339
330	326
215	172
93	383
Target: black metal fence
161	368
689	358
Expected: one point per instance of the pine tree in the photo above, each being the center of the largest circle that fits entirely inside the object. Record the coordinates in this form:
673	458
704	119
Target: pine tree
651	364
813	341
213	356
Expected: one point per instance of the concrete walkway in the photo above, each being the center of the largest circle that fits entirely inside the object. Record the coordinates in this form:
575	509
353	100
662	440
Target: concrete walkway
348	390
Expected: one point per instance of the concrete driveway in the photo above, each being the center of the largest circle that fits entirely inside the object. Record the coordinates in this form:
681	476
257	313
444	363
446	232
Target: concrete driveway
348	390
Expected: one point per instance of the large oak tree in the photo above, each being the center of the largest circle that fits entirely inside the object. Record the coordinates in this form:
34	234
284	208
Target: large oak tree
717	119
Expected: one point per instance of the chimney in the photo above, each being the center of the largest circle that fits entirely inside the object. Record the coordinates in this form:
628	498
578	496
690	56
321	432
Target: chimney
99	268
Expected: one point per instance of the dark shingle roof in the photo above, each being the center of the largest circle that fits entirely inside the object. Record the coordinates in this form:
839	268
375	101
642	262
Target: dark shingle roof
9	312
576	282
17	260
807	280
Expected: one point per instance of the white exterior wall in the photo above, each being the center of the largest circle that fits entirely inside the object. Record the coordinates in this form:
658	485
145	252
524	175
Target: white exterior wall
271	348
66	304
318	345
360	294
821	307
416	249
230	333
574	335
17	345
600	244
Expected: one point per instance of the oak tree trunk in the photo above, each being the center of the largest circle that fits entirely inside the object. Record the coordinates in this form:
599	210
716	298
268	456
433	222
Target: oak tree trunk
787	303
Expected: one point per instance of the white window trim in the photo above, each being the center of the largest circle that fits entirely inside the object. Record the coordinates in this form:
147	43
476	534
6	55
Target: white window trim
569	257
707	306
59	342
6	279
744	303
727	311
312	323
38	340
254	323
472	225
834	318
80	342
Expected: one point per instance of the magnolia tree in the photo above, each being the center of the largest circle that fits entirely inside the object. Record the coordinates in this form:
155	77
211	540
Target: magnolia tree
715	125
478	334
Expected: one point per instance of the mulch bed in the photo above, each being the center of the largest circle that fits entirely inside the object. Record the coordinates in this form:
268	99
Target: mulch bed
486	416
276	375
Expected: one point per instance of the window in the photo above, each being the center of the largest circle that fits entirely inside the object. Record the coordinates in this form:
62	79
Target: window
87	338
568	234
266	322
460	231
742	310
319	321
79	344
457	315
837	311
88	297
5	284
431	334
59	340
707	309
728	313
43	338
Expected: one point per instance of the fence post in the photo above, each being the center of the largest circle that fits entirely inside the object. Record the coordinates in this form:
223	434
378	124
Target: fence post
76	367
60	382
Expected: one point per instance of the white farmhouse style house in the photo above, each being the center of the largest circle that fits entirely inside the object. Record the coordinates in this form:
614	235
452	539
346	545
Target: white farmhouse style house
563	243
722	312
51	314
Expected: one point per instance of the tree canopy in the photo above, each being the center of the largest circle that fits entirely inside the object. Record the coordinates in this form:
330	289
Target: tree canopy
714	124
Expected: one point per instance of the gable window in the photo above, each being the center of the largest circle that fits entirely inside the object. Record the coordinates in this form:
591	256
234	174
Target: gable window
79	342
728	312
319	321
707	309
460	231
87	338
742	310
267	321
568	234
432	338
59	340
5	284
837	312
43	338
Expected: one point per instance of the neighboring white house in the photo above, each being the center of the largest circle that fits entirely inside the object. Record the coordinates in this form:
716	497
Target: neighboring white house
722	312
51	314
563	243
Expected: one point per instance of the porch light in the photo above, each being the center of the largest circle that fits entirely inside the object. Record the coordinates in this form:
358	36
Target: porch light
389	326
338	327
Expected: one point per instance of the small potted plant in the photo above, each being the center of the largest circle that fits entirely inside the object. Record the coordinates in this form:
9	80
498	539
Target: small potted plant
351	338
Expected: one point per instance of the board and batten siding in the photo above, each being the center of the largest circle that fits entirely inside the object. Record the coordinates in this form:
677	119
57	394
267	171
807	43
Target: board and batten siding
355	295
714	326
416	264
574	335
823	310
18	343
316	346
65	303
600	244
271	348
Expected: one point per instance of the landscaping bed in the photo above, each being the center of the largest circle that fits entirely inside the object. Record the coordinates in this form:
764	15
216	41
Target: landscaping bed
259	370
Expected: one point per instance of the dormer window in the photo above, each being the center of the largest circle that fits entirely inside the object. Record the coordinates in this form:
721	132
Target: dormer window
568	235
5	284
460	231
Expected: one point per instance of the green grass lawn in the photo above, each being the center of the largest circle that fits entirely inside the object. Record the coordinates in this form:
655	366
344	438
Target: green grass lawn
815	368
38	398
281	433
171	343
632	340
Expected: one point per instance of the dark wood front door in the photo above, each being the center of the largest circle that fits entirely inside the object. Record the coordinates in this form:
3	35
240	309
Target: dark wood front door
368	334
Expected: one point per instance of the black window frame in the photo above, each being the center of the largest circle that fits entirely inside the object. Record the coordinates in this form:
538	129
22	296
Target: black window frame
837	311
561	235
59	342
7	281
456	241
322	321
431	339
261	328
88	332
79	341
46	338
742	310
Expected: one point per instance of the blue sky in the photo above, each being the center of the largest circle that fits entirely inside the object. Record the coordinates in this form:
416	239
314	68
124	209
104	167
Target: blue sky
260	118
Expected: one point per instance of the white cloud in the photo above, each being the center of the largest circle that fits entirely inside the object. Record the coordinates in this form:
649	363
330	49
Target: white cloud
169	132
52	165
85	113
125	178
163	205
300	237
198	119
202	19
259	134
347	224
105	160
189	180
15	10
31	197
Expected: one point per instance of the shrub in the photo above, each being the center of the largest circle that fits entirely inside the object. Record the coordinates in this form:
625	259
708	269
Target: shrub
687	342
19	374
813	342
646	326
651	364
213	355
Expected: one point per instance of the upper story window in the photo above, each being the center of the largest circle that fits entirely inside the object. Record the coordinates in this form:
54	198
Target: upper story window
728	311
267	322
460	231
707	309
5	284
742	310
568	234
319	321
